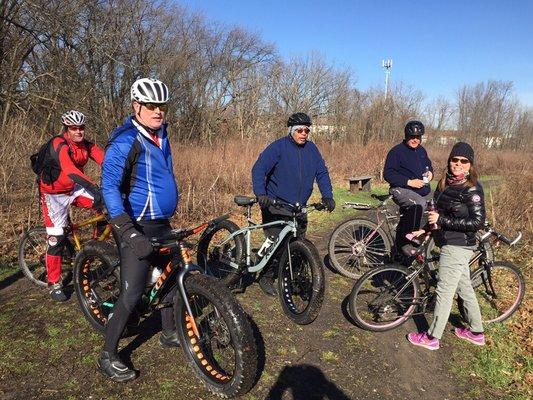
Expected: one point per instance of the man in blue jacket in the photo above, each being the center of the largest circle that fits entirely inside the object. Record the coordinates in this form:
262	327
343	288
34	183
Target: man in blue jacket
141	195
286	170
408	170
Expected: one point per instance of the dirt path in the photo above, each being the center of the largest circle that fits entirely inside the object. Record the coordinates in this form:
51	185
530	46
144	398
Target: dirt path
48	352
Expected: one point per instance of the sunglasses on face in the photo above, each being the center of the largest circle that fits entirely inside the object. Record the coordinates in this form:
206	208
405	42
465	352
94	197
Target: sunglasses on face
76	128
460	160
153	106
302	130
414	137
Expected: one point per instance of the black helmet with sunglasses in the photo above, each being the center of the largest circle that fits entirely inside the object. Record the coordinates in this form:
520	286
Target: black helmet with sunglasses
299	119
414	128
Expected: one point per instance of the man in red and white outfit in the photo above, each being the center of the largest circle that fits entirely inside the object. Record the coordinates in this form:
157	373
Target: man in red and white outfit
71	151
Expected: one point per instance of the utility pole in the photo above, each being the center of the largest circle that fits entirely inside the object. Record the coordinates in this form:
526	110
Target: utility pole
386	65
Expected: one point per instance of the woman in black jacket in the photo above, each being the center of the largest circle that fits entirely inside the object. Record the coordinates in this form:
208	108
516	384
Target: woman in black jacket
460	214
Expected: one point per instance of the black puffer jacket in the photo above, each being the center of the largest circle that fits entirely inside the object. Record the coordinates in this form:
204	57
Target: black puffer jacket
461	214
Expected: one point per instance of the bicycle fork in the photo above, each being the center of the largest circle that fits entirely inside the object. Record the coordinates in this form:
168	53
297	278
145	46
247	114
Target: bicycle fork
188	267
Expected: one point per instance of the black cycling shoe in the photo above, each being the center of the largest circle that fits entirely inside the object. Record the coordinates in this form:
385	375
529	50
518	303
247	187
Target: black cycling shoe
169	339
56	292
112	366
266	283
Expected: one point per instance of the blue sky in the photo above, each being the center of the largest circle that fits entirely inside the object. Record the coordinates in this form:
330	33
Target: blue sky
437	46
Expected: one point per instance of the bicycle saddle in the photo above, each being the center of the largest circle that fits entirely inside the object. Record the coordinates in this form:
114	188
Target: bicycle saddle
244	200
381	197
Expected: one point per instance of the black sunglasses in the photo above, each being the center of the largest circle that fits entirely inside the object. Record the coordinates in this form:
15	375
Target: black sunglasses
460	160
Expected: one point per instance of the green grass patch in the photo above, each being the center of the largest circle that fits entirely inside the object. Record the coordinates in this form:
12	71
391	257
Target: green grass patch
502	364
8	267
329	356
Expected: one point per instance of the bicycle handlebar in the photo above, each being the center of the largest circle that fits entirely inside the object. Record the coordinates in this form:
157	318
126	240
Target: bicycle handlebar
297	208
505	239
383	199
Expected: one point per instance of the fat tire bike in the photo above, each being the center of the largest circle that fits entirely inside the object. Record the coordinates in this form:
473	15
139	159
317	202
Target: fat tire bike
214	331
227	254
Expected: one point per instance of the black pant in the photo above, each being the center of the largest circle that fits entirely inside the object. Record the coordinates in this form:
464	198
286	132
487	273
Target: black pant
272	214
133	276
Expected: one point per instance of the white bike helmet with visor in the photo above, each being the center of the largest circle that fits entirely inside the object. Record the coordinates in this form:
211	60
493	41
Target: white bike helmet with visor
73	118
147	90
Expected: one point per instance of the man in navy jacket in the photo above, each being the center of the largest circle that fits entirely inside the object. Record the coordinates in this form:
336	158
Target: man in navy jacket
408	170
286	171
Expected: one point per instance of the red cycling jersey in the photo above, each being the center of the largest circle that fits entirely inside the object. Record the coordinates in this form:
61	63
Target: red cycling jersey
72	159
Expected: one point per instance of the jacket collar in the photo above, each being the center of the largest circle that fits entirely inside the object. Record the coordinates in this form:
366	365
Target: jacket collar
291	139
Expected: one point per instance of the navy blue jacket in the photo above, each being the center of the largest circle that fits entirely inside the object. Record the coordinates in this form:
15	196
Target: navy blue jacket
137	174
404	163
287	171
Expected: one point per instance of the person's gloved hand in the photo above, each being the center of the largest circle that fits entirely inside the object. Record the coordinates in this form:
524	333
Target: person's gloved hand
265	201
329	203
138	243
98	201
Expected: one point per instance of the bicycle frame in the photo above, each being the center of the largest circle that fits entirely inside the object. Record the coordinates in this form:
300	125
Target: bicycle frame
480	254
379	209
290	227
74	227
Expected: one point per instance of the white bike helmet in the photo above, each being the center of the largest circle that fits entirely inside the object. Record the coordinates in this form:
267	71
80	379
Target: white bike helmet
147	90
73	117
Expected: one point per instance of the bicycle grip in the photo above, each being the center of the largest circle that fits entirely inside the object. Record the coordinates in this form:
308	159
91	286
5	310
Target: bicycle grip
502	238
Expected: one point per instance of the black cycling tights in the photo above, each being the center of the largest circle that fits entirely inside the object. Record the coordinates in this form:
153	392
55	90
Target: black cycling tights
133	275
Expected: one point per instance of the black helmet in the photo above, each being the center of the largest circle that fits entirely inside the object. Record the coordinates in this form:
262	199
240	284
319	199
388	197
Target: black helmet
299	119
414	128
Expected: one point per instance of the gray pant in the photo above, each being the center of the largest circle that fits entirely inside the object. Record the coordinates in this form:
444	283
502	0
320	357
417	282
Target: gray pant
412	207
406	197
454	276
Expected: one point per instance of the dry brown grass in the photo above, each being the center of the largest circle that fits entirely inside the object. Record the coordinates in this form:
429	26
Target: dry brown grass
210	175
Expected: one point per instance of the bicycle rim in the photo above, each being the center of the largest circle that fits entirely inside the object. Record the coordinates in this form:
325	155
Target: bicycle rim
212	352
357	246
32	257
297	289
383	299
499	291
100	288
216	257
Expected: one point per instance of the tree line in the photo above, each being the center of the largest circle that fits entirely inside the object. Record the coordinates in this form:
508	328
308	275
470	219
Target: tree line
224	81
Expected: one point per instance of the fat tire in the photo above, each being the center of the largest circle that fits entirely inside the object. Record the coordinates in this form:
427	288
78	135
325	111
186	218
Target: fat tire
208	261
382	243
240	333
363	283
106	254
318	284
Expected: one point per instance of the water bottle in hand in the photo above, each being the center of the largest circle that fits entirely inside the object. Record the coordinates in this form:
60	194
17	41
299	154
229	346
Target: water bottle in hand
425	176
432	207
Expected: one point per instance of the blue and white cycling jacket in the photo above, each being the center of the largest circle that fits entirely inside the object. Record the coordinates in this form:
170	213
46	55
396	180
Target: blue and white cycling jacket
137	174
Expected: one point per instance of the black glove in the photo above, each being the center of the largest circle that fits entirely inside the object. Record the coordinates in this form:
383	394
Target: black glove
265	201
98	202
329	203
129	236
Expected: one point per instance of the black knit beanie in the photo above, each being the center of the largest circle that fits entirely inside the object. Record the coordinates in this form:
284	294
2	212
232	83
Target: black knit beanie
462	149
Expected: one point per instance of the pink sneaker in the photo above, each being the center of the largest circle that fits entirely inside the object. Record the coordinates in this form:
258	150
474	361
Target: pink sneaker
422	339
464	333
